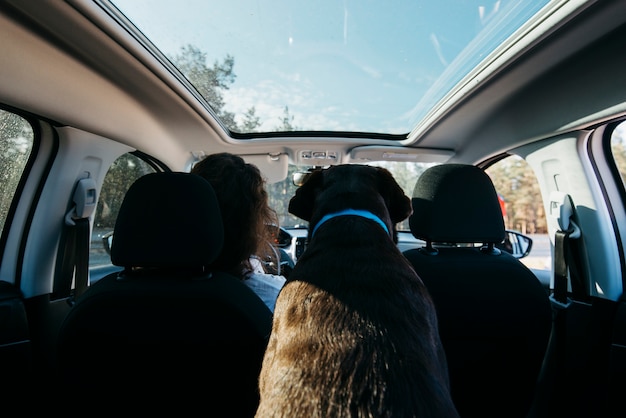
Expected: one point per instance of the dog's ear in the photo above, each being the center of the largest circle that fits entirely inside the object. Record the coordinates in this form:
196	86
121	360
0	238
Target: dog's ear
398	203
301	204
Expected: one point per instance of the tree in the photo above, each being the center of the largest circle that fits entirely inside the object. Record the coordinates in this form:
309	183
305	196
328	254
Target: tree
250	121
208	81
121	175
211	82
286	122
406	175
280	193
516	183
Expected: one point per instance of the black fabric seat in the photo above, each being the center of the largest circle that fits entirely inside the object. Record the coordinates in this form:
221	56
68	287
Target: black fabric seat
494	315
167	330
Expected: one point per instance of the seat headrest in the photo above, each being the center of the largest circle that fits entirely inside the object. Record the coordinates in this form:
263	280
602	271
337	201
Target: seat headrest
456	203
168	220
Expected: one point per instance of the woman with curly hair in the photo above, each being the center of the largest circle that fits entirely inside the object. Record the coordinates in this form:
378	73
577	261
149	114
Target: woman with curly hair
248	222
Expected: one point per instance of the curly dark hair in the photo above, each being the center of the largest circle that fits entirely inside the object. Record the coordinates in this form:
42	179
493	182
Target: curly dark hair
250	224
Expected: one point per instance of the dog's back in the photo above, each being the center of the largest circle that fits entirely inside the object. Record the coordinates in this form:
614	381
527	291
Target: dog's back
355	331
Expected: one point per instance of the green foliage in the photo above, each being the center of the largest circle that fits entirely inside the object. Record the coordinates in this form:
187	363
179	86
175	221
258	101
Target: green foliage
121	175
211	82
208	81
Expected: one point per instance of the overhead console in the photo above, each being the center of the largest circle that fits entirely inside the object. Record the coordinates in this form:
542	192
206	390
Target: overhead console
319	157
406	154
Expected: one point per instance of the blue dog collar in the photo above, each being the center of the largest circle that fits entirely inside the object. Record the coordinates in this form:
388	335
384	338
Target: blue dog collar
354	212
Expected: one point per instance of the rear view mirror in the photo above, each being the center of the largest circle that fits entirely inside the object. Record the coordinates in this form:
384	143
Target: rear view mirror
107	240
299	177
517	244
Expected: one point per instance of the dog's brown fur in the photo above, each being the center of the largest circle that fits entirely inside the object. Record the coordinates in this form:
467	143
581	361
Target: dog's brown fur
355	331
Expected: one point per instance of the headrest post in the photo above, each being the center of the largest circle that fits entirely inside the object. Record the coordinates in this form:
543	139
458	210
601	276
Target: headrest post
429	249
489	249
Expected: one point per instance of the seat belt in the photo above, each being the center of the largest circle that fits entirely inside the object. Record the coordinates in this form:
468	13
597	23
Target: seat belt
579	329
75	263
565	268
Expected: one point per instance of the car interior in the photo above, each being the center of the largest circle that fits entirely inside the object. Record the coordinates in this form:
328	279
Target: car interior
503	121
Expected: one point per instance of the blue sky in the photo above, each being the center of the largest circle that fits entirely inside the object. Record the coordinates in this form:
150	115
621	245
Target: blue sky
337	64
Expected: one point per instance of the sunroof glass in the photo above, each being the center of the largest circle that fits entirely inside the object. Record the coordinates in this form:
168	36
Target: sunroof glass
361	66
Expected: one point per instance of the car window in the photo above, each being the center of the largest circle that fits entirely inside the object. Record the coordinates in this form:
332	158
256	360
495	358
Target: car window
406	174
16	144
618	148
279	194
522	207
337	64
122	173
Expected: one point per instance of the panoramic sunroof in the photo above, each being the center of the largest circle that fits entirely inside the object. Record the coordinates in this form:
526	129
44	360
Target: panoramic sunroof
326	65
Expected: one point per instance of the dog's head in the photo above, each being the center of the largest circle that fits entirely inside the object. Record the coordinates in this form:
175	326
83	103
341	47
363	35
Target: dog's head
351	186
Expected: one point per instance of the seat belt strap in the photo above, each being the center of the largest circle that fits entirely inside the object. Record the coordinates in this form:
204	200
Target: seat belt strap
77	220
575	270
565	267
561	242
81	280
65	275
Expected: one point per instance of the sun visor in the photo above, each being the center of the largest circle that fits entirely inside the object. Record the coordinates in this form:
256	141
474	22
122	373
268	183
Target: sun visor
383	153
273	167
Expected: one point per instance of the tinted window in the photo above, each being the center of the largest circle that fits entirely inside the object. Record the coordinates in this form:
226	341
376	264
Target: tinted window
618	148
122	173
16	144
406	174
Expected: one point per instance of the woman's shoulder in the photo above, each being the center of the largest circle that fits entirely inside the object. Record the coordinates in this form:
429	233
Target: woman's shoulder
266	286
269	279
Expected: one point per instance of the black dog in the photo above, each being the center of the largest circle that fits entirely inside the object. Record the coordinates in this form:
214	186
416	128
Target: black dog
355	331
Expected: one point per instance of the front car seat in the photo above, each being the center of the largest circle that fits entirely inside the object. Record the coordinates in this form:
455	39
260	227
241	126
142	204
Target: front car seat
167	329
494	315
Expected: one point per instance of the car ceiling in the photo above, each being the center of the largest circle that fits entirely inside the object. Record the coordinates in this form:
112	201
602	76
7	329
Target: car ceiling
63	66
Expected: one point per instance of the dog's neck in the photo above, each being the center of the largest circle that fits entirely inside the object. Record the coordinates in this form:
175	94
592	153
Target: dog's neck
351	212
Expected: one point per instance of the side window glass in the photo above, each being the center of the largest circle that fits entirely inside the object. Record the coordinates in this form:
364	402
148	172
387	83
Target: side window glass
618	148
16	144
122	173
522	207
